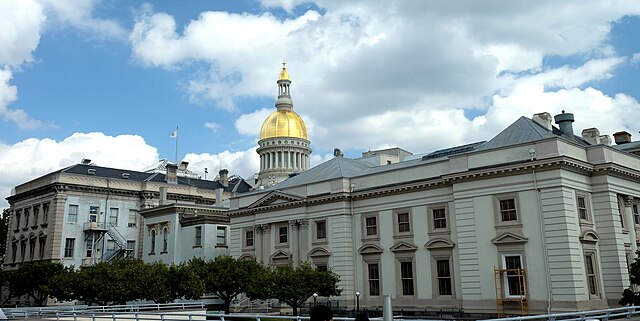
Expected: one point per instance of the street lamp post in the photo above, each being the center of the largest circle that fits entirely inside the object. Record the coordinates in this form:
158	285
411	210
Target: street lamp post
357	301
315	299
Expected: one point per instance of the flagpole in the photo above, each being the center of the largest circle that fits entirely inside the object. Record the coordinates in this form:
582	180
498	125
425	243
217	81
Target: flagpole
177	137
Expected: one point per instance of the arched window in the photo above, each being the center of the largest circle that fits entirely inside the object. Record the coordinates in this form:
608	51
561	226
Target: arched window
165	231
153	242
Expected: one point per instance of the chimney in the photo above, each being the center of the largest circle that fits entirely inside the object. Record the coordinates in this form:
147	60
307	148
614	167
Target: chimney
337	152
605	139
564	122
591	135
163	195
183	166
223	177
543	119
172	173
622	137
218	197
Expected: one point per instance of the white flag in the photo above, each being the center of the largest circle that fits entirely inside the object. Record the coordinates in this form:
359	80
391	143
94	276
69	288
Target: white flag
174	134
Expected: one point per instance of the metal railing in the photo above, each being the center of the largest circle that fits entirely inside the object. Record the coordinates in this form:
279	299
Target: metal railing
602	315
98	311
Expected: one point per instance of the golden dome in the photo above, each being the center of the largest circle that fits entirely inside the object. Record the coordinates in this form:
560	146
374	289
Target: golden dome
284	74
283	123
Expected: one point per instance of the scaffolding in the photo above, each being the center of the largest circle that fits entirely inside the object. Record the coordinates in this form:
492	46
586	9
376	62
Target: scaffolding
511	291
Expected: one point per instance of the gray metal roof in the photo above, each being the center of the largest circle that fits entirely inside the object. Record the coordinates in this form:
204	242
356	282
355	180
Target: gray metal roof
628	147
333	168
525	130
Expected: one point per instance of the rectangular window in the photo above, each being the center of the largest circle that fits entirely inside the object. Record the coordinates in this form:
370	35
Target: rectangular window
93	213
321	268
27	213
321	230
221	236
590	267
131	245
42	243
636	214
111	245
374	278
282	234
89	248
113	216
14	252
198	240
73	214
133	218
404	226
514	275
32	248
444	277
36	213
248	238
508	210
18	215
582	208
371	225
439	218
45	213
406	275
69	245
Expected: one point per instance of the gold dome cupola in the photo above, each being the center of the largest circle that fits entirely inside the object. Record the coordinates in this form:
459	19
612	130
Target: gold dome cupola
284	140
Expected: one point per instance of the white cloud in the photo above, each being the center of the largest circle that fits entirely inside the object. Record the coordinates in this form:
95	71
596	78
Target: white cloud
31	158
636	57
212	125
20	25
243	163
250	124
372	73
9	94
79	14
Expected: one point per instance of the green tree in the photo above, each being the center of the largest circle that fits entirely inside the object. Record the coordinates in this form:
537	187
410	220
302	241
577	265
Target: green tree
185	283
227	277
8	284
4	231
64	285
37	280
294	286
158	283
630	297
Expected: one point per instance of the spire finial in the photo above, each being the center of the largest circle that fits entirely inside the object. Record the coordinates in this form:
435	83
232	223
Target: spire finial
284	74
284	64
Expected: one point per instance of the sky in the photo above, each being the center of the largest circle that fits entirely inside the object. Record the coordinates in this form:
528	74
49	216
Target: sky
110	80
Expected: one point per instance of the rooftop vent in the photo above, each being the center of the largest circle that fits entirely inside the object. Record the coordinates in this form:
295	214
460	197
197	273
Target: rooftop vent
622	137
565	121
543	119
126	175
91	171
85	161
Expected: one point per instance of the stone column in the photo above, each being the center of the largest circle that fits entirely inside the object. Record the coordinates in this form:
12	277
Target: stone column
304	239
54	239
628	202
257	242
266	243
295	242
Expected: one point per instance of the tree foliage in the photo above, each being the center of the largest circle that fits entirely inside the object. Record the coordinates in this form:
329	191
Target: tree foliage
37	280
4	231
629	296
294	286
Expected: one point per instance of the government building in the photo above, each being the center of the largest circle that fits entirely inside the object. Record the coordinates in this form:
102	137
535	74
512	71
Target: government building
535	219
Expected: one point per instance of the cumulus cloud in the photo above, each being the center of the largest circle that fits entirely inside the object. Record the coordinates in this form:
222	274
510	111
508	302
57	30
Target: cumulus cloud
373	73
31	158
9	94
212	125
244	163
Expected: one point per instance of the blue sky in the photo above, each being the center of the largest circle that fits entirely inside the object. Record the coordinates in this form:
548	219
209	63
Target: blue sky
110	80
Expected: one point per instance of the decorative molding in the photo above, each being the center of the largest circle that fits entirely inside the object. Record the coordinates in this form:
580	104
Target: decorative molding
509	238
589	236
368	249
439	244
403	247
319	252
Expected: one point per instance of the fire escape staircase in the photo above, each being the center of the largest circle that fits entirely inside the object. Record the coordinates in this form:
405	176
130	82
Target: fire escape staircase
99	230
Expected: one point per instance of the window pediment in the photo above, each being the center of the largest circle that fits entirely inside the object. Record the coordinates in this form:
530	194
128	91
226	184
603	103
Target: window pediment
275	198
589	236
370	249
402	247
247	257
319	252
280	255
509	238
439	244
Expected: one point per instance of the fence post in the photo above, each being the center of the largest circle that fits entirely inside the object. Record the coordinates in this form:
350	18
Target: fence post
75	317
113	316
